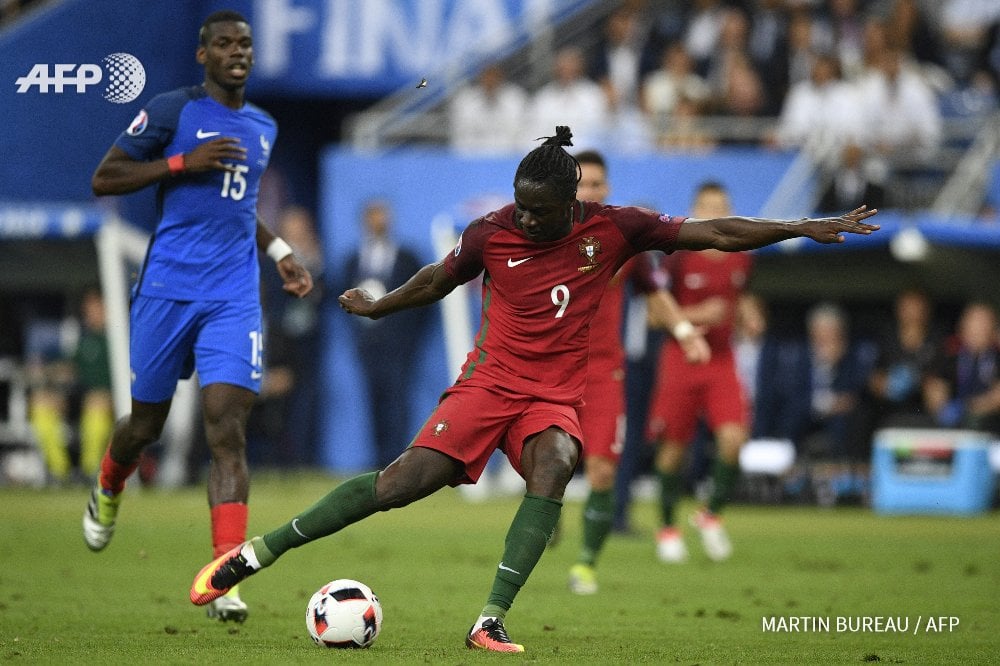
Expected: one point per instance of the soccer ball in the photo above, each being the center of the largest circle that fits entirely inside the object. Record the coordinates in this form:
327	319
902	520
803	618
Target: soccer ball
344	614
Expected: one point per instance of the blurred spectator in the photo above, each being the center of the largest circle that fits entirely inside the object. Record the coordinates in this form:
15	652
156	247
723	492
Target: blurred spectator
686	131
838	373
620	59
874	44
855	180
283	427
749	339
70	373
570	99
820	111
701	34
735	83
618	65
742	92
968	27
665	88
487	116
906	354
901	110
387	348
803	44
768	48
910	30
92	364
963	390
50	378
843	34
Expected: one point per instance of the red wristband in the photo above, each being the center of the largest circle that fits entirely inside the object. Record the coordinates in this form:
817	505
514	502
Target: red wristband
176	164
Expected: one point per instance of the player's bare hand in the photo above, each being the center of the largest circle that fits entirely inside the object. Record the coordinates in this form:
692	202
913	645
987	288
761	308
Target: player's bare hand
296	277
214	154
695	348
831	229
357	302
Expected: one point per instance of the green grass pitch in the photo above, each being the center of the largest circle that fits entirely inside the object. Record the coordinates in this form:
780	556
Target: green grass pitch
432	564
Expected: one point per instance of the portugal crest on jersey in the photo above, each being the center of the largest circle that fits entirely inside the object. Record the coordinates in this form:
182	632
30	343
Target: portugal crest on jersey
590	247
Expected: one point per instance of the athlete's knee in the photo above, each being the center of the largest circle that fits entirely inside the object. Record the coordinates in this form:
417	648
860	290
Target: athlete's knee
415	474
730	440
549	461
600	473
139	429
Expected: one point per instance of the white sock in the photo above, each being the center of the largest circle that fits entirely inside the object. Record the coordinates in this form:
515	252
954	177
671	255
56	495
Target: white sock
482	618
251	557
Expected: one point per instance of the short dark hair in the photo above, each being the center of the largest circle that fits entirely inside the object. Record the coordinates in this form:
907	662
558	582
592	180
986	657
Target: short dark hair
710	186
221	16
591	157
550	164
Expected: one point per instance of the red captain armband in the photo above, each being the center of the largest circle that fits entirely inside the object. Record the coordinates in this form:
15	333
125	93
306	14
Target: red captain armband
176	164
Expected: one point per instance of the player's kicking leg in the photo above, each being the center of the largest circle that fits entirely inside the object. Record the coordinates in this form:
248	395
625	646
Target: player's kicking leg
417	473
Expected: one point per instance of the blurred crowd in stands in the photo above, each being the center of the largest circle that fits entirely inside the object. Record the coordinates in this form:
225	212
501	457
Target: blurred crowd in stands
865	85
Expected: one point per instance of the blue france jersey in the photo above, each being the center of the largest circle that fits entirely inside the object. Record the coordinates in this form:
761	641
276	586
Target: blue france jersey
204	247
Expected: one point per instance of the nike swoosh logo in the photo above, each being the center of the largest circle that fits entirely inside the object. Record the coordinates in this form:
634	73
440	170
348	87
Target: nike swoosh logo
501	565
201	134
295	527
511	263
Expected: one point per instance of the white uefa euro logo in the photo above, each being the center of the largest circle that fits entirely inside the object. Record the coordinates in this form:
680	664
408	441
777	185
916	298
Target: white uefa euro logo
126	77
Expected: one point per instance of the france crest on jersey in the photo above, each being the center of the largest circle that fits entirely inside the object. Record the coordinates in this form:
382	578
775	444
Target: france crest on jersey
204	247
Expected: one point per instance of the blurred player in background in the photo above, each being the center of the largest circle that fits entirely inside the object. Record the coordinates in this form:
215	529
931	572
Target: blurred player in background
707	285
197	304
602	418
546	260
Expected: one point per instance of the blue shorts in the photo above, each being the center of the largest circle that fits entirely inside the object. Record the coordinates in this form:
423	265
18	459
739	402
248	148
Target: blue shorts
169	339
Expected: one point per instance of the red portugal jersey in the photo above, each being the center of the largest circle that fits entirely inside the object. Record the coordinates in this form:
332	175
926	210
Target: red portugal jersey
539	297
696	276
606	351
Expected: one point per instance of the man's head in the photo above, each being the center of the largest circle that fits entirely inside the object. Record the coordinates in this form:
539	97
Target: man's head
545	189
593	185
977	328
377	218
225	49
827	327
711	200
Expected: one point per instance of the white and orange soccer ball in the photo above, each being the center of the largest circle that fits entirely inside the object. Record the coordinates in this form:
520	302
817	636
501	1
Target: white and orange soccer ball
344	614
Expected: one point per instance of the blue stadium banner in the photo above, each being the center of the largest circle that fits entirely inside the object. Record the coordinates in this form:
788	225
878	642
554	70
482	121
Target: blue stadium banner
31	221
373	47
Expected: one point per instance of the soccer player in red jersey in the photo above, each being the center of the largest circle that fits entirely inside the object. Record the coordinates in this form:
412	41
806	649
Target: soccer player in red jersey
546	260
707	285
602	417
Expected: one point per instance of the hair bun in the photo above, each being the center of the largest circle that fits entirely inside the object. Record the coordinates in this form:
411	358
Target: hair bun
563	137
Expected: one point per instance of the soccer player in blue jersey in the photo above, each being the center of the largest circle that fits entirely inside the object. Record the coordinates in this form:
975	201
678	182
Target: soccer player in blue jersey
197	305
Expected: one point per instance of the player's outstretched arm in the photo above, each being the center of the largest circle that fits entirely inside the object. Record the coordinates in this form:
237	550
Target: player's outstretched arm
734	234
428	285
119	173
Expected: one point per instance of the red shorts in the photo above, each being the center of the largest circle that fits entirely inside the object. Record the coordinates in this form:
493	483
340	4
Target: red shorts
686	392
471	422
602	416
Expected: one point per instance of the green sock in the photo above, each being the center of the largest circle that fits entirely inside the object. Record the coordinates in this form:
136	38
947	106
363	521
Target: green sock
526	538
724	476
670	493
348	503
598	514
